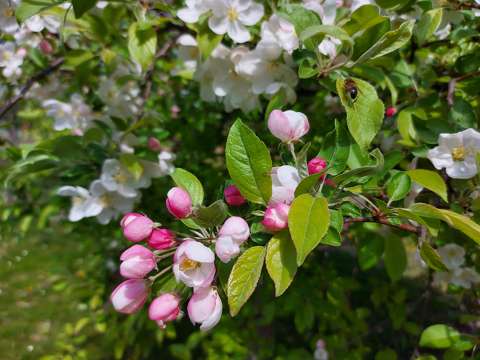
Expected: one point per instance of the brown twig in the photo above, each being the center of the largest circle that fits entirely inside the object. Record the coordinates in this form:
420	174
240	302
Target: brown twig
25	88
453	83
384	221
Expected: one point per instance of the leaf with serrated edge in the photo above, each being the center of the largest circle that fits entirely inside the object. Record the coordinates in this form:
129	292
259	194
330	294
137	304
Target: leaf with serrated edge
281	261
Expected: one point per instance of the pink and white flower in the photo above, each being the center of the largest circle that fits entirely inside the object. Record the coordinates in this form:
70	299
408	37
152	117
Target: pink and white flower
164	308
276	217
233	197
285	180
193	264
136	227
161	239
205	308
234	232
179	203
129	296
137	262
288	126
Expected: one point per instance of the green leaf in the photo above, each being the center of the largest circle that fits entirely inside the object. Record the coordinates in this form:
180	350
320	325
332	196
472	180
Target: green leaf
307	68
461	114
354	174
395	258
336	147
364	113
30	165
428	24
213	215
244	277
142	44
308	221
370	251
389	42
80	7
398	187
28	8
308	183
432	258
189	182
207	41
249	163
439	336
281	261
430	180
318	31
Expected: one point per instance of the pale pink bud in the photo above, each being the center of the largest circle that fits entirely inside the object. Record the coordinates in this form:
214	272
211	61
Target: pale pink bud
136	227
226	248
161	239
154	144
236	228
179	203
22	52
164	308
129	296
391	111
137	261
276	217
233	196
205	308
193	264
45	47
316	165
288	125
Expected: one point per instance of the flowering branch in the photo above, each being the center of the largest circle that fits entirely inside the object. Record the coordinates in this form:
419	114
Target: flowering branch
23	91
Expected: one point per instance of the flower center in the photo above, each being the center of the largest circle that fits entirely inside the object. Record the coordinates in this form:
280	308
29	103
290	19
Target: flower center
77	200
120	177
232	14
8	12
458	153
188	264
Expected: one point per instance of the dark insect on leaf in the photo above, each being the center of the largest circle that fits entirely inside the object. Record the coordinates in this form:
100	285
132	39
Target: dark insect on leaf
351	89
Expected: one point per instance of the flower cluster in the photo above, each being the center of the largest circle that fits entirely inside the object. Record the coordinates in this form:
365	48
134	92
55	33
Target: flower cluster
192	256
453	257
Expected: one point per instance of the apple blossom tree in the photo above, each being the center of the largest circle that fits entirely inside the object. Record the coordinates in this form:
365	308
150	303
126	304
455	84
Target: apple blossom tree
324	153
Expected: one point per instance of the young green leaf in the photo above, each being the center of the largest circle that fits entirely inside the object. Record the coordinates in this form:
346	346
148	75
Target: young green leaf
190	183
428	24
398	187
142	44
364	109
370	251
244	277
308	222
430	180
281	261
27	8
80	7
432	258
395	258
249	163
213	215
439	336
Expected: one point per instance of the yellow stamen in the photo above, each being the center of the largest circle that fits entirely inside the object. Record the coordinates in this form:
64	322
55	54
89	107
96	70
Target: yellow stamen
188	264
458	153
8	12
232	14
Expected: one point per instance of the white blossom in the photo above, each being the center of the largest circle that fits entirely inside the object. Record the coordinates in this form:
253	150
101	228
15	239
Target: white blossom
75	115
452	255
8	21
188	51
11	59
232	16
280	32
39	22
285	180
327	10
193	11
165	162
121	101
465	277
328	46
457	154
83	203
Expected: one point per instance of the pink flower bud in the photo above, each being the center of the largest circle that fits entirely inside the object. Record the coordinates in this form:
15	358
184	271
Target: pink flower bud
137	261
226	248
205	308
129	296
276	217
154	144
391	111
179	203
288	125
136	227
233	196
45	47
316	165
164	308
161	239
236	228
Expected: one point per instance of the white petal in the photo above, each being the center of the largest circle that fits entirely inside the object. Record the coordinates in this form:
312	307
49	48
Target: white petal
252	15
238	32
218	25
198	252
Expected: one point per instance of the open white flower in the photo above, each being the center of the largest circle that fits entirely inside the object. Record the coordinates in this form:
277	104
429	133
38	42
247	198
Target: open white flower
328	46
188	51
452	255
75	115
280	32
11	59
232	16
39	22
327	10
121	101
113	203
8	21
83	203
193	11
465	277
456	153
116	177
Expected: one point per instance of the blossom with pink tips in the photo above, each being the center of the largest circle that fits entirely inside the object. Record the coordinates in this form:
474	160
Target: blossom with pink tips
136	227
233	197
129	296
288	126
137	262
161	239
205	308
179	203
276	217
164	308
234	232
316	165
